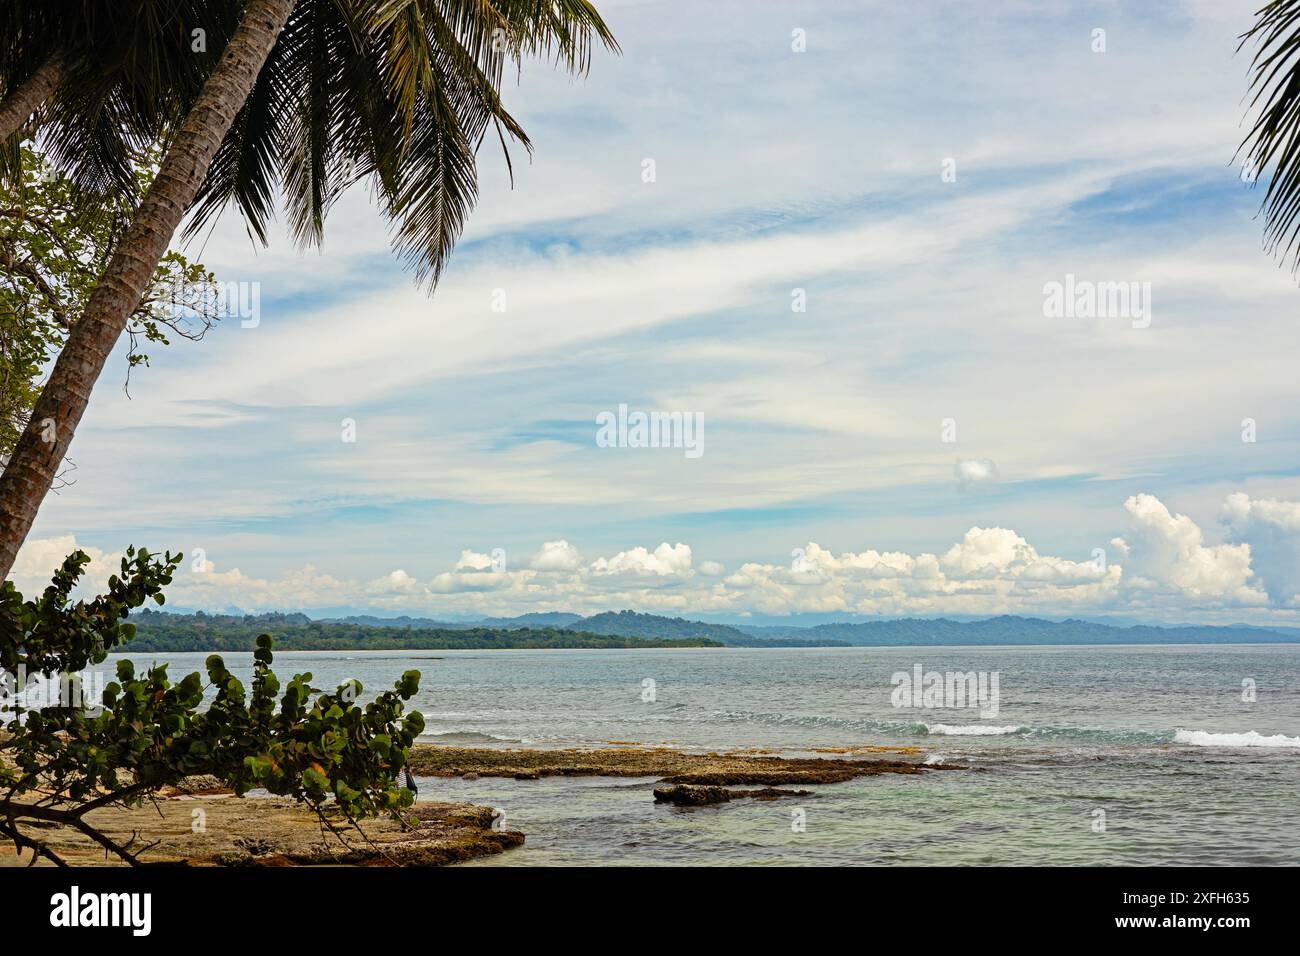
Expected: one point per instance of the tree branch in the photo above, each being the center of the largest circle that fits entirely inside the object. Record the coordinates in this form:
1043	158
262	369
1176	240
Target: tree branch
27	269
21	840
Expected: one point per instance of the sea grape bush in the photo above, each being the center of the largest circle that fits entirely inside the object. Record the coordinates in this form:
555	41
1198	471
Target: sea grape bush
59	762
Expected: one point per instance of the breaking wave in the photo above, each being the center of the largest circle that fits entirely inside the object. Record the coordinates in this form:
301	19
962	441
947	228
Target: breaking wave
972	730
1251	738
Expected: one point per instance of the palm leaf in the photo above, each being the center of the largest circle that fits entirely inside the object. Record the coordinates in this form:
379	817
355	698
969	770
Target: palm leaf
1274	137
445	115
400	91
132	75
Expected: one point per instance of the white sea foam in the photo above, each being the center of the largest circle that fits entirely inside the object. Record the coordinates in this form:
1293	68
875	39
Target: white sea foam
970	730
1251	738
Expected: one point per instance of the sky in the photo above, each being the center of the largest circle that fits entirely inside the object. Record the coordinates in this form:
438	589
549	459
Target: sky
828	234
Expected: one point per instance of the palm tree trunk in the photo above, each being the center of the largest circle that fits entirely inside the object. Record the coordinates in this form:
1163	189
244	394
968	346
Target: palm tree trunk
26	98
44	443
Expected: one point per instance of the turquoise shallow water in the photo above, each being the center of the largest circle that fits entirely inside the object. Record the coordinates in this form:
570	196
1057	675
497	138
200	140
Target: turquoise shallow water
1157	743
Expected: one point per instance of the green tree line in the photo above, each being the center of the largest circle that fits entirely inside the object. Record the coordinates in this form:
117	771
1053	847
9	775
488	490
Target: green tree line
204	632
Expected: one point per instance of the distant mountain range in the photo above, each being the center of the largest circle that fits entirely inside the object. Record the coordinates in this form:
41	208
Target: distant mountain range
1010	629
558	629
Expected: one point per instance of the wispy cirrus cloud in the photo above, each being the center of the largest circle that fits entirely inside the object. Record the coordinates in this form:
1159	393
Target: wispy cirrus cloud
813	178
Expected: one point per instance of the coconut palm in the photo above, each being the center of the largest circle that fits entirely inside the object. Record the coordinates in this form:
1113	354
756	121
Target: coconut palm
34	54
109	76
306	98
1274	138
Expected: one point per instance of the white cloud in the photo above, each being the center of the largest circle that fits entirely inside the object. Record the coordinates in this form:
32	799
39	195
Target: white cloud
302	587
988	552
456	582
1162	566
473	561
1271	530
40	557
557	556
923	302
395	582
975	473
1169	549
664	560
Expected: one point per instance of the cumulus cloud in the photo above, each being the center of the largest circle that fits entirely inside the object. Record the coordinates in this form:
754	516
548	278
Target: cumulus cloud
459	582
38	558
395	582
1000	553
664	560
867	563
1270	529
1162	565
991	570
557	556
473	561
988	552
296	588
1169	549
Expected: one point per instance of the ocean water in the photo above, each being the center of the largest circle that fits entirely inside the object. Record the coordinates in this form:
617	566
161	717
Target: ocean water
1095	755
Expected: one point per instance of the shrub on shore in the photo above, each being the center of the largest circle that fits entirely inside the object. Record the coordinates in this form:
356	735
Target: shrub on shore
60	761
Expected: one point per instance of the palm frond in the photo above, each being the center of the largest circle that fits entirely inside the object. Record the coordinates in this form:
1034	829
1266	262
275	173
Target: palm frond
563	29
448	96
311	170
439	186
132	74
1274	138
245	170
400	91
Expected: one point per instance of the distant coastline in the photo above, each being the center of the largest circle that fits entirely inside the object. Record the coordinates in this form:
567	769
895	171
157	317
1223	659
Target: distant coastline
171	632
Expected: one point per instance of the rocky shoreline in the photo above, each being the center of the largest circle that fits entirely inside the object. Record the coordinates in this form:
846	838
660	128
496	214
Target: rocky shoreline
698	795
671	766
219	829
199	824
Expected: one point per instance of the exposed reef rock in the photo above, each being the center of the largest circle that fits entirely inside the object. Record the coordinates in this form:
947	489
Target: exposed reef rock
672	766
693	795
